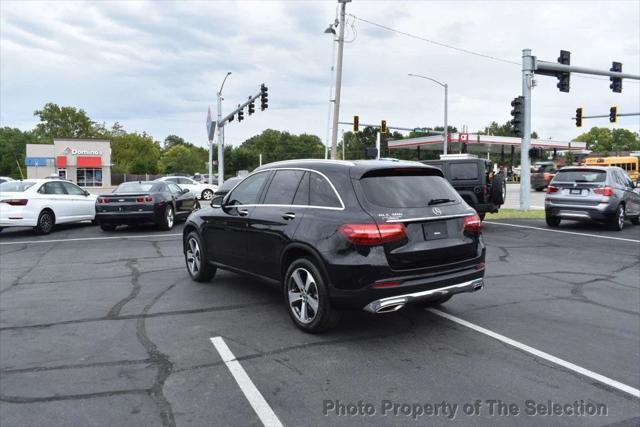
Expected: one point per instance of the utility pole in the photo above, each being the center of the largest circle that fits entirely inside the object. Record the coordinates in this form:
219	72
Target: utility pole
220	137
445	146
525	163
336	105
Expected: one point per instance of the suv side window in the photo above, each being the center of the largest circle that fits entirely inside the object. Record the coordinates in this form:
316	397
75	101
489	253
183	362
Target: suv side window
321	193
246	193
52	188
302	193
283	187
463	171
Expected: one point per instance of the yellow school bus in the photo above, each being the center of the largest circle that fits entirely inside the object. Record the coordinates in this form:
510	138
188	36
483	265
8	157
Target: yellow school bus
630	164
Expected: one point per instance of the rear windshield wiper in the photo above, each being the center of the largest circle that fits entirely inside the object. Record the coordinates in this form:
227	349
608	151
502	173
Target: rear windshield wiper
439	201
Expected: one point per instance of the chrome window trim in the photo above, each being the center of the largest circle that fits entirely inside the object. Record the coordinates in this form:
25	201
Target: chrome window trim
431	218
341	208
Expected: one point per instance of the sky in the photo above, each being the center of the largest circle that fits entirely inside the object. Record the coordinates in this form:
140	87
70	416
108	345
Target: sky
156	66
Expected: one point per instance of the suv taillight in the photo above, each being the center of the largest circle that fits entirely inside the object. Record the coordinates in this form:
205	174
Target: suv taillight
372	234
15	202
604	191
472	224
551	189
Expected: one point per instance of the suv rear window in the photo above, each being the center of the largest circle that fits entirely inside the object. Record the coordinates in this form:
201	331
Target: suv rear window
463	171
578	175
407	191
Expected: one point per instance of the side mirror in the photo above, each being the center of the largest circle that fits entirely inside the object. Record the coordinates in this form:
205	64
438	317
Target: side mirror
86	193
216	201
184	191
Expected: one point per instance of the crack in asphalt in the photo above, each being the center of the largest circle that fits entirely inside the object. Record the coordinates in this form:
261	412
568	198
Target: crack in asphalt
138	316
135	289
16	281
75	366
19	399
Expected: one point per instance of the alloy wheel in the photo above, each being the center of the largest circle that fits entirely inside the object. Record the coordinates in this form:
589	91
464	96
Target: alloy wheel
303	295
621	218
193	256
46	222
170	217
207	194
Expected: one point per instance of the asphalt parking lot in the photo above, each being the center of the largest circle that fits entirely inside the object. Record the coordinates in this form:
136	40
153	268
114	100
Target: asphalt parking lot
107	329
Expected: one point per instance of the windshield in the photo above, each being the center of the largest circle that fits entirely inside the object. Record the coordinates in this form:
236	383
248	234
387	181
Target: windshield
577	175
134	187
408	191
15	186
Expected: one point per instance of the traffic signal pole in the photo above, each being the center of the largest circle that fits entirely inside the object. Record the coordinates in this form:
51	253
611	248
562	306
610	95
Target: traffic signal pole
525	163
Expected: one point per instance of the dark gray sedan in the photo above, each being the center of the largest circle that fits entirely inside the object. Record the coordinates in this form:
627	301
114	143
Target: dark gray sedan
603	194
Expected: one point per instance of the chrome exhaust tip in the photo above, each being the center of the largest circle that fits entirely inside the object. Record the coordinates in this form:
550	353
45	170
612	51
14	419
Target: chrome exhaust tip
389	308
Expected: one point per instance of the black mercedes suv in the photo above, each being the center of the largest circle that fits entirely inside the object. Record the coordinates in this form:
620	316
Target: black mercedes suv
372	235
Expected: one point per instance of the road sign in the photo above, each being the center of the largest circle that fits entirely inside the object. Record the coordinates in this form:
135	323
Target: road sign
211	126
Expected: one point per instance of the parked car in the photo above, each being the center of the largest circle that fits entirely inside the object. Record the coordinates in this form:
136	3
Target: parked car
156	202
542	175
228	185
5	179
474	180
373	235
603	194
204	179
201	190
43	203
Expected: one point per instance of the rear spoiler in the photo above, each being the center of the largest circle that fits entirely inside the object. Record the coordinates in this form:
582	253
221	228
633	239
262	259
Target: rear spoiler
400	171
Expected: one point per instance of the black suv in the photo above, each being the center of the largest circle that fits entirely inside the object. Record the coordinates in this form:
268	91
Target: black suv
473	179
372	235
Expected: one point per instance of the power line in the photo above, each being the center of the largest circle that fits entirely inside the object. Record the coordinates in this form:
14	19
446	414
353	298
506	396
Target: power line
459	49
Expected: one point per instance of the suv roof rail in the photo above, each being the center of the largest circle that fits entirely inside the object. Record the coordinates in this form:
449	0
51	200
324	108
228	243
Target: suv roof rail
458	156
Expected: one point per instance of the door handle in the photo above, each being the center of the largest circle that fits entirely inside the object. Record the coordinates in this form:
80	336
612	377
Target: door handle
288	216
243	212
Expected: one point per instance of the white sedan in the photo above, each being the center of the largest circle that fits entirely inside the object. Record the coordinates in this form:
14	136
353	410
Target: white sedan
43	203
202	191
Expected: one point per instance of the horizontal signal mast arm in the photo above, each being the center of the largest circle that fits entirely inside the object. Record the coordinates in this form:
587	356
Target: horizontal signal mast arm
554	66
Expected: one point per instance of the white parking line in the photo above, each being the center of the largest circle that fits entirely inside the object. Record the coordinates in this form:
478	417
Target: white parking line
81	239
541	354
562	231
253	395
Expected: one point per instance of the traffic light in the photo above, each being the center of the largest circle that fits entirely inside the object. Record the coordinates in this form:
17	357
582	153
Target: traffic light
264	97
518	115
240	114
252	108
613	114
563	78
383	126
356	123
579	117
616	82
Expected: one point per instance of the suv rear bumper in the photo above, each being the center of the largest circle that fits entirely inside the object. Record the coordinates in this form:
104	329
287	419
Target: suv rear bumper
394	303
600	212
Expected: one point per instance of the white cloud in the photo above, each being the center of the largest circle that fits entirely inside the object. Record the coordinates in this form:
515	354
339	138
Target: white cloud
156	66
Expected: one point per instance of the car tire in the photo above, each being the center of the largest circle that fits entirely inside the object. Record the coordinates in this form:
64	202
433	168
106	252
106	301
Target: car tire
303	283
498	190
635	220
539	189
108	227
617	221
553	221
437	301
46	221
197	266
207	194
169	218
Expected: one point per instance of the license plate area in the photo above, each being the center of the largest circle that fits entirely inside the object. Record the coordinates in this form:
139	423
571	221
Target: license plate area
575	191
435	230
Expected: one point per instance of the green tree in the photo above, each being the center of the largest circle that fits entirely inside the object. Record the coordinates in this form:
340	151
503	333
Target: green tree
606	141
135	153
182	159
12	151
63	122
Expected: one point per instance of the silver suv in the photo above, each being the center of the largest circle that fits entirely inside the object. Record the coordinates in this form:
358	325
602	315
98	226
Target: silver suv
603	194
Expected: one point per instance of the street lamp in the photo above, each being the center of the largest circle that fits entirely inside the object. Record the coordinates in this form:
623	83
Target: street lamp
220	138
336	102
330	30
446	108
